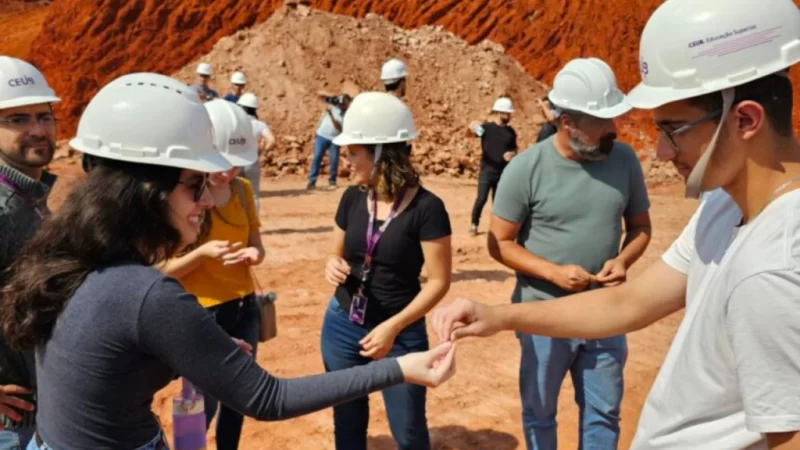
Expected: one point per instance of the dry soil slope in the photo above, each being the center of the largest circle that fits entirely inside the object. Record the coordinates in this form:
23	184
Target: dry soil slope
21	21
295	53
85	44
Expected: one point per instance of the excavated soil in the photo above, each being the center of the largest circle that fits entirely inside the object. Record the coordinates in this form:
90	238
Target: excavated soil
85	44
479	408
296	53
21	21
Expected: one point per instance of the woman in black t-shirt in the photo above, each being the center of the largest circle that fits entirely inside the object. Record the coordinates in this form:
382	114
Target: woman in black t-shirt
383	313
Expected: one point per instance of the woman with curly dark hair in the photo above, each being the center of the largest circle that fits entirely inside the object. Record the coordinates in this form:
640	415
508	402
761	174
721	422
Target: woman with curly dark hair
379	306
110	330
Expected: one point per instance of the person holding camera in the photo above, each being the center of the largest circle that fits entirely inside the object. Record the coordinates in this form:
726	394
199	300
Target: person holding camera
329	127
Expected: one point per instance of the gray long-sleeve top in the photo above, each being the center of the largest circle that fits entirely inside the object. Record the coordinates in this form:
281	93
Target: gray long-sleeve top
127	331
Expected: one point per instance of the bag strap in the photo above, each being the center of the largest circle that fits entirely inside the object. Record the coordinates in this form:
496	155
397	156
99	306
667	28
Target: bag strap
242	197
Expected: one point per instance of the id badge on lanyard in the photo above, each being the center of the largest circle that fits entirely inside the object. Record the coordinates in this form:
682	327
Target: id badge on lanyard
358	306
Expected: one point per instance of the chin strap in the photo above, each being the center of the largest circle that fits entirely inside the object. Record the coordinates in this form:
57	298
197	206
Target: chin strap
375	161
694	183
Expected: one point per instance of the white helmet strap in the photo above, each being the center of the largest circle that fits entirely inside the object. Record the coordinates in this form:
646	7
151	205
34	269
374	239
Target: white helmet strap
375	161
695	180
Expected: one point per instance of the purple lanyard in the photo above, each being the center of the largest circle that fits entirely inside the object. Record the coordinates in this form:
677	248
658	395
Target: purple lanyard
16	190
373	236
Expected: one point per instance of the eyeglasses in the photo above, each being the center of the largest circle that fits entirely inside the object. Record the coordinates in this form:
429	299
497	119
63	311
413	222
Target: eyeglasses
670	135
198	187
26	120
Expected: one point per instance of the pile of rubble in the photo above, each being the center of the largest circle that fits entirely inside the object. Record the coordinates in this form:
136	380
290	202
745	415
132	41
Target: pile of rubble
299	51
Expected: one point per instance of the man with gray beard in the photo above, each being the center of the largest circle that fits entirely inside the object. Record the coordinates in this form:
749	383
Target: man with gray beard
27	144
557	222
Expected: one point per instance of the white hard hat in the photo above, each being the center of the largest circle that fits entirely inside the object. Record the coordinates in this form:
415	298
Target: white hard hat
375	118
149	118
503	104
238	78
249	100
233	132
22	84
589	87
393	71
690	48
204	69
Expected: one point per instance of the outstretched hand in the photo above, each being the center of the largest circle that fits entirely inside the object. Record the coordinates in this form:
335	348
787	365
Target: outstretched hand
464	318
430	368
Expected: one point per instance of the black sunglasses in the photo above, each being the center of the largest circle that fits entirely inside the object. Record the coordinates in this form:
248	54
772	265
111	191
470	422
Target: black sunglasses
197	187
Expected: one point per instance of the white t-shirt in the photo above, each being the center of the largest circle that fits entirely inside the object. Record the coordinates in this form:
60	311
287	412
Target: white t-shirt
733	369
326	128
259	128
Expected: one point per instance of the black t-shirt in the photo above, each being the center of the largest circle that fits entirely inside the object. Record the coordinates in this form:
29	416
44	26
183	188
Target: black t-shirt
547	130
398	258
496	140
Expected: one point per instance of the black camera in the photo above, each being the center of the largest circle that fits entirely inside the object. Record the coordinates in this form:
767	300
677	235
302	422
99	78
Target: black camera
336	100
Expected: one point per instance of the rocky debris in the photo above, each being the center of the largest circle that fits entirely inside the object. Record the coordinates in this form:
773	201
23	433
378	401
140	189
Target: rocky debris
661	173
293	55
169	34
86	44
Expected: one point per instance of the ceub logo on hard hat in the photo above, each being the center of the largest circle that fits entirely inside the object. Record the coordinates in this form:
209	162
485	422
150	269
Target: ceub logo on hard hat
232	131
23	81
22	84
742	40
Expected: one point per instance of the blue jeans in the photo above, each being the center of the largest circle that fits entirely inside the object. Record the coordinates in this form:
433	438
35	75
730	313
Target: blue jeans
321	145
596	367
405	404
15	439
241	319
158	443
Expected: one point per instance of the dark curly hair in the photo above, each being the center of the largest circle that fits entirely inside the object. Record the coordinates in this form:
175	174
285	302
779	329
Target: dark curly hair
395	171
119	213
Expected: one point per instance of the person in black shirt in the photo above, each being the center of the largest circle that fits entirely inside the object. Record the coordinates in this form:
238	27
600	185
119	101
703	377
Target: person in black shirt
498	146
379	307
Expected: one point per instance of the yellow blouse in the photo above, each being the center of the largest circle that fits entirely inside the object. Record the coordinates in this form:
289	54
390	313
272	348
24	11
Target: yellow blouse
212	282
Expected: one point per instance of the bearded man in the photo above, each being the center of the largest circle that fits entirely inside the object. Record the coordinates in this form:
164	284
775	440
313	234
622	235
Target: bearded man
557	222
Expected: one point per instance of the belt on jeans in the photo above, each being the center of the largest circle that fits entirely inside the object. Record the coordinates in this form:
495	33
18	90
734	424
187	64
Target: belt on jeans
162	443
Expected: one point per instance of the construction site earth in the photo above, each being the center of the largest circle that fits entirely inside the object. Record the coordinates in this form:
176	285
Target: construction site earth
462	55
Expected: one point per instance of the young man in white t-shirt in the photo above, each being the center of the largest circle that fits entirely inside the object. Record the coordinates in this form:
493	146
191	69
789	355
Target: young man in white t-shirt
723	104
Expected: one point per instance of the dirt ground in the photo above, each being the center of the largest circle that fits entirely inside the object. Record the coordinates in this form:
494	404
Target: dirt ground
479	408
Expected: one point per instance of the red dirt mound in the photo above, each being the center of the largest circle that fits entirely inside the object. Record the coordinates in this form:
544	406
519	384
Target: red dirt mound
85	44
21	21
294	54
